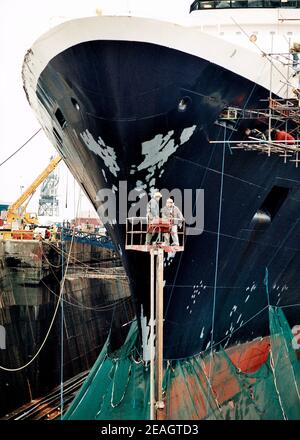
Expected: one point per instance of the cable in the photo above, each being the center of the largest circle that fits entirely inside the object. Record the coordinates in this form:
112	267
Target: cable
19	149
87	266
272	363
207	168
82	306
217	253
62	331
51	323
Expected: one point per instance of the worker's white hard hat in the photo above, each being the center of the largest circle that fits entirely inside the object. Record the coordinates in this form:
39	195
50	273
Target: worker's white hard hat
157	194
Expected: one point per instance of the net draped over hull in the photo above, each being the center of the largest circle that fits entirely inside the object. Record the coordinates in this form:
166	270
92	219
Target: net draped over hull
211	386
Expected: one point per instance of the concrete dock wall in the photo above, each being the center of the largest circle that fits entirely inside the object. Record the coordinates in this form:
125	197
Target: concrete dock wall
96	299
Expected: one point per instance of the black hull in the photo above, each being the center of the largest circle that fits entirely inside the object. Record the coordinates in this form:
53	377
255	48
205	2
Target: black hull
127	93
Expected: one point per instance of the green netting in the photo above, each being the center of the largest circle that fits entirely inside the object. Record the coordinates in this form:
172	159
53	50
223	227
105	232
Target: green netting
117	387
208	387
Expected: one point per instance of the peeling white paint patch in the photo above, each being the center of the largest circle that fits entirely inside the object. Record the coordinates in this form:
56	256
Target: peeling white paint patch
208	344
186	134
104	175
158	150
152	182
202	333
239	318
226	343
247	298
146	336
120	250
170	257
114	189
99	147
233	310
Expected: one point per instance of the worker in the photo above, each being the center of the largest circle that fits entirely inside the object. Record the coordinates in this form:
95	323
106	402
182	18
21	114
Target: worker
283	136
53	231
254	133
295	60
297	94
152	213
47	233
173	213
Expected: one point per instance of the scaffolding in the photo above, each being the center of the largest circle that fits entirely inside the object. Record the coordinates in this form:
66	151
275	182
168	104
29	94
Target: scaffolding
276	113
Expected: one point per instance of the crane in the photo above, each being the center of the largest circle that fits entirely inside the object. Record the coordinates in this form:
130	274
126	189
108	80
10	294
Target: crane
17	210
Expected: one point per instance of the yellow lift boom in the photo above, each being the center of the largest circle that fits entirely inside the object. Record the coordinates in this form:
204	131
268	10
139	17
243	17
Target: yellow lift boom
17	211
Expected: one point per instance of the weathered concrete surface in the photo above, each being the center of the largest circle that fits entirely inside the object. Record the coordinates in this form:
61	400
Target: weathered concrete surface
25	260
96	299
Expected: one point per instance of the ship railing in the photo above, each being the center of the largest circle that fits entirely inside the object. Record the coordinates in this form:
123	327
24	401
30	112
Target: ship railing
90	238
236	4
143	234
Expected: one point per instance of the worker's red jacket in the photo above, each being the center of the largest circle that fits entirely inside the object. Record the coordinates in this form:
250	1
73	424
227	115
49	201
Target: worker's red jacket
284	136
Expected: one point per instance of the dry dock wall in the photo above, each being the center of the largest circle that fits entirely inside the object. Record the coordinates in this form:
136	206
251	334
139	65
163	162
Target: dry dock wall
96	299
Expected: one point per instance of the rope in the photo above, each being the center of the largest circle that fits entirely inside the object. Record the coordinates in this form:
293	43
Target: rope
200	353
19	149
59	251
81	305
50	326
96	308
217	254
272	360
204	177
122	277
263	53
62	335
112	403
272	364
